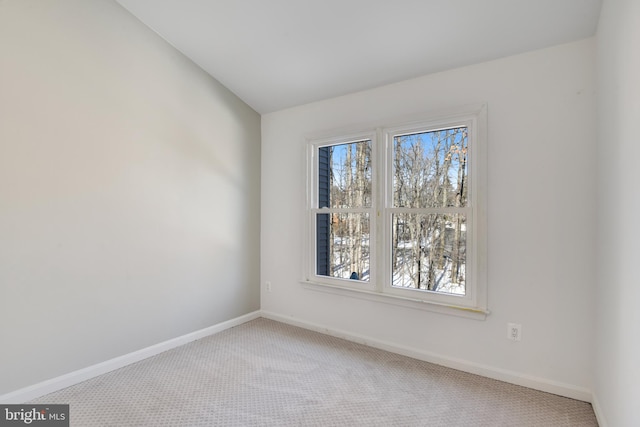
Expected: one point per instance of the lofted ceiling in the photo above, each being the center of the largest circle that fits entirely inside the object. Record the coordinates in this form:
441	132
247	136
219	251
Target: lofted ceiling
276	54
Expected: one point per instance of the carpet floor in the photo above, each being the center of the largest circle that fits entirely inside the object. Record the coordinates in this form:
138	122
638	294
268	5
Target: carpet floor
266	373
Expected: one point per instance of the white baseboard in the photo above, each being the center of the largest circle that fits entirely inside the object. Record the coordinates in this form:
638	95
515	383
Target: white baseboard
598	411
72	378
542	384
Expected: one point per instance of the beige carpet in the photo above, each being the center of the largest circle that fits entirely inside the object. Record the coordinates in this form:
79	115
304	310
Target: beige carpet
265	373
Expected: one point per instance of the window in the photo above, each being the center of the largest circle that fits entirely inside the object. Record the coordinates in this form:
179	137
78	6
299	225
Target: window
343	210
399	212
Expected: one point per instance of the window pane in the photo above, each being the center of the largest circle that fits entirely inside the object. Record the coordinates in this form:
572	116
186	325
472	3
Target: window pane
342	241
429	252
430	169
344	175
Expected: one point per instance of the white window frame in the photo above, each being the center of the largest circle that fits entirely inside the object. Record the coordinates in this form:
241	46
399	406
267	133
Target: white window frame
313	209
474	303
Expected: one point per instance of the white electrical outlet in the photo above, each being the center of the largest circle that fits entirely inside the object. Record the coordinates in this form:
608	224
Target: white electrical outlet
514	331
268	284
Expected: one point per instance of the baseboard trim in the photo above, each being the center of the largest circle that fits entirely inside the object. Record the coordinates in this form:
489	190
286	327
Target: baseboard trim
597	409
541	384
75	377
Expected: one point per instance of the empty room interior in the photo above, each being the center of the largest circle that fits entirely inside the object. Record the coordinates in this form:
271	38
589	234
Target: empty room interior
162	183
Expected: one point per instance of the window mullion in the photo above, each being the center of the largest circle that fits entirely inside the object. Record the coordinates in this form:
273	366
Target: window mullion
463	210
342	210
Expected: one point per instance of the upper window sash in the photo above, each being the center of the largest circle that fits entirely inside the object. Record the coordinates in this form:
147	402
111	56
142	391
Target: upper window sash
314	145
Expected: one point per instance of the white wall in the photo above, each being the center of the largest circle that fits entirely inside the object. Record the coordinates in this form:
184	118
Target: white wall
541	208
129	191
617	368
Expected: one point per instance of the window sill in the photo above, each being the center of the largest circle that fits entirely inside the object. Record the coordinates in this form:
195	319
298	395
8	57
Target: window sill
453	310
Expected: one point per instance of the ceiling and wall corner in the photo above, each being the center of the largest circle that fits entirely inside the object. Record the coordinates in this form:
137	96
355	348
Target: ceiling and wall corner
278	54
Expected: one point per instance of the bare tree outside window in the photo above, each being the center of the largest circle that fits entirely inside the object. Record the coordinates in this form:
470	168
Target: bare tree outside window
346	189
429	231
